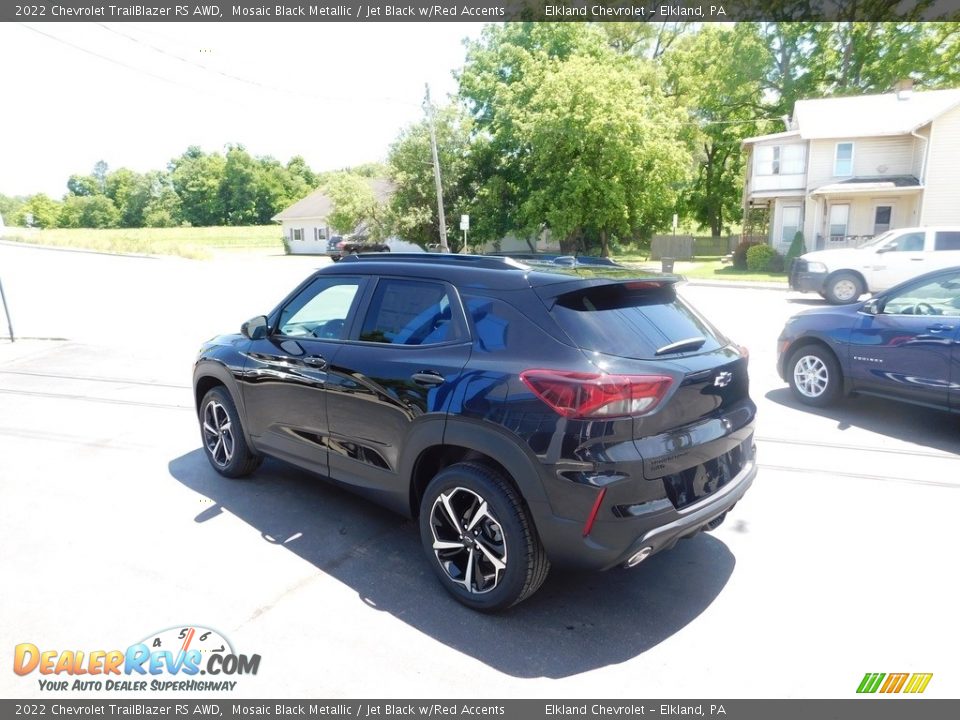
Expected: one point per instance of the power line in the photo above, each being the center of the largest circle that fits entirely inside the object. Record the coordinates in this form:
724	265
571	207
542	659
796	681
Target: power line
104	57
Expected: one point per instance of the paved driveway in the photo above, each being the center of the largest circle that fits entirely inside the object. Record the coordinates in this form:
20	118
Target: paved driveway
839	561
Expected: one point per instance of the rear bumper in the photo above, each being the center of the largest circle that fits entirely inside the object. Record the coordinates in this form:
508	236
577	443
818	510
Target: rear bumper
620	531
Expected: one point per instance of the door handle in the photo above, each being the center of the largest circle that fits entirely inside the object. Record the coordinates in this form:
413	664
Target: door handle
916	259
316	361
939	327
427	377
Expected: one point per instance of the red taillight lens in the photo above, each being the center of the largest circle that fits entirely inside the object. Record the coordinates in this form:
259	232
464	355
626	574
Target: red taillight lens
577	394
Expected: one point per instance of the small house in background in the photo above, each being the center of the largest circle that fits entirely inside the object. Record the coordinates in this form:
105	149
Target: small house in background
305	227
847	169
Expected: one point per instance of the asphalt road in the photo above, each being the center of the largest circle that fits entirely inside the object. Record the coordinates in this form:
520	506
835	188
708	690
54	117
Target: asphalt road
841	559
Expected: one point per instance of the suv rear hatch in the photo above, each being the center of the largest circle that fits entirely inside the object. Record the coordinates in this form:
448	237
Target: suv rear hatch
700	434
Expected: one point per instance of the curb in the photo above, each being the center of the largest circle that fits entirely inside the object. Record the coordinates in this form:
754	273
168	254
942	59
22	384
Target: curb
28	245
734	284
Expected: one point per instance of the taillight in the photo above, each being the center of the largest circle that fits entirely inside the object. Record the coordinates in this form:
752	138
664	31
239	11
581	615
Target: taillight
582	395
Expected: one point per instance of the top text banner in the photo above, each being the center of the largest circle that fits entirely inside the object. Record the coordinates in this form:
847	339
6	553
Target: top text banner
477	11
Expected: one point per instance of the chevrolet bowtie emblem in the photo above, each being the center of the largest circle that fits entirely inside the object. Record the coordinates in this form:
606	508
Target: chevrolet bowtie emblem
722	379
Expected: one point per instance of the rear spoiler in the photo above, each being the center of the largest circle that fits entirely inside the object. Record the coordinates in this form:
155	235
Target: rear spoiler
550	292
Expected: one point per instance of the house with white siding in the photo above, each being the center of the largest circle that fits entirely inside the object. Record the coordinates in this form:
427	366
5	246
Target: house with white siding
847	169
305	227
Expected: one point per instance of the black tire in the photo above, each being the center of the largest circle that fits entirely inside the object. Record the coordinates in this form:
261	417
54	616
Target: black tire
814	376
843	288
504	532
222	435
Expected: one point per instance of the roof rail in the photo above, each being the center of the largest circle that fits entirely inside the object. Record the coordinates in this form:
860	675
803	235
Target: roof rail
480	261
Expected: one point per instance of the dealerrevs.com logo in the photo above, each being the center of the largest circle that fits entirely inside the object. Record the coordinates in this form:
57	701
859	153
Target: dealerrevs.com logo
171	659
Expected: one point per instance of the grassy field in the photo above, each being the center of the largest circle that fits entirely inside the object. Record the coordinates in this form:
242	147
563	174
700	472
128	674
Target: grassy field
189	242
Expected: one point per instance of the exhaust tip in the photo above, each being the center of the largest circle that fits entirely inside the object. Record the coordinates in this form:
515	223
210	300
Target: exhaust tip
639	557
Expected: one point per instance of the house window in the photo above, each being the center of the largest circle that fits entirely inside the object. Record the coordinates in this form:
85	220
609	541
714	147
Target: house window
780	160
296	233
793	160
839	217
789	223
882	215
843	161
768	160
319	233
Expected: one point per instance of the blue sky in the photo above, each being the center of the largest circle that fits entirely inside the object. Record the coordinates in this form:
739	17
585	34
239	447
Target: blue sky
137	94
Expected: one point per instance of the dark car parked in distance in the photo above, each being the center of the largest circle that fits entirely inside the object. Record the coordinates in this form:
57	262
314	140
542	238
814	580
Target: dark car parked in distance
528	416
902	344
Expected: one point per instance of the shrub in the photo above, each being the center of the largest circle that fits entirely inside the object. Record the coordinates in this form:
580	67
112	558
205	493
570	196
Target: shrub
758	257
776	263
797	248
740	254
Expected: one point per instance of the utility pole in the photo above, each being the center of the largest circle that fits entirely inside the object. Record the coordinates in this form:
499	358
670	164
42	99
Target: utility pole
428	106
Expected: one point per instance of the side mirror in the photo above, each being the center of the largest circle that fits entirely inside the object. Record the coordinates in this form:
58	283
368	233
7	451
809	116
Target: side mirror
871	307
885	249
255	328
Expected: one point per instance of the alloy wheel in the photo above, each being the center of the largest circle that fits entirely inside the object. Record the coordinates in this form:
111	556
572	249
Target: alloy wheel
811	376
468	540
218	433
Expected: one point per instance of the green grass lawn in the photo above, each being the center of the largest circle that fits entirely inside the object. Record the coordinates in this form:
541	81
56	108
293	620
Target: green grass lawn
704	268
189	242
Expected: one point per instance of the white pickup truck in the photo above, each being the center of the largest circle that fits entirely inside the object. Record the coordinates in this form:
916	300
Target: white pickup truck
842	276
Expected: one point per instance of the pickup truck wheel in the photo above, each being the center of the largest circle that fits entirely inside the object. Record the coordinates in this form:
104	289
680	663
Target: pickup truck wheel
843	288
814	376
479	539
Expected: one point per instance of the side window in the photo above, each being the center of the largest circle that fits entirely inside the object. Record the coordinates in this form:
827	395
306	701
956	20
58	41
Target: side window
321	309
843	160
938	297
411	312
909	242
949	240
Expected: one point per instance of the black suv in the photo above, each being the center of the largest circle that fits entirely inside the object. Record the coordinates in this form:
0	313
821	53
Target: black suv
527	415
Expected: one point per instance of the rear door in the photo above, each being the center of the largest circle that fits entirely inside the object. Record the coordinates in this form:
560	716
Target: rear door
908	349
405	355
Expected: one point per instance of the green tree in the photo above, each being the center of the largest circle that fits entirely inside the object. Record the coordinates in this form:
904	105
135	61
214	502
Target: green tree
719	75
353	201
42	211
89	211
196	179
601	151
414	201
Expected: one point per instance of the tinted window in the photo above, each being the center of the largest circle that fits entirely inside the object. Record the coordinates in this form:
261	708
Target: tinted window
637	322
909	242
949	240
321	309
410	312
938	297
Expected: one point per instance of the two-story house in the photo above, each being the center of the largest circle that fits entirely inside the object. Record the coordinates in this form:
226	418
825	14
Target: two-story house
849	168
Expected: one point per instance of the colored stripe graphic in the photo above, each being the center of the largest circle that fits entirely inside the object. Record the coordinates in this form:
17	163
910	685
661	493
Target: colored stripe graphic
870	682
894	683
918	683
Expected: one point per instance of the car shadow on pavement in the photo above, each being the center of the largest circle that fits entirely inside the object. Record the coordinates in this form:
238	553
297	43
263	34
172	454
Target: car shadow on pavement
577	621
931	428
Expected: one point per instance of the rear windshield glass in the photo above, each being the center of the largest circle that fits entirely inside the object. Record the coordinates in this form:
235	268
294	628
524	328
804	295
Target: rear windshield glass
634	320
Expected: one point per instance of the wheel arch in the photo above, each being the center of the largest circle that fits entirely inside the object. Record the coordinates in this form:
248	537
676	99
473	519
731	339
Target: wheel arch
473	442
815	341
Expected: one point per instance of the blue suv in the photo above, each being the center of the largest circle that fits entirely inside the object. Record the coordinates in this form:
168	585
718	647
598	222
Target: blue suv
902	344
